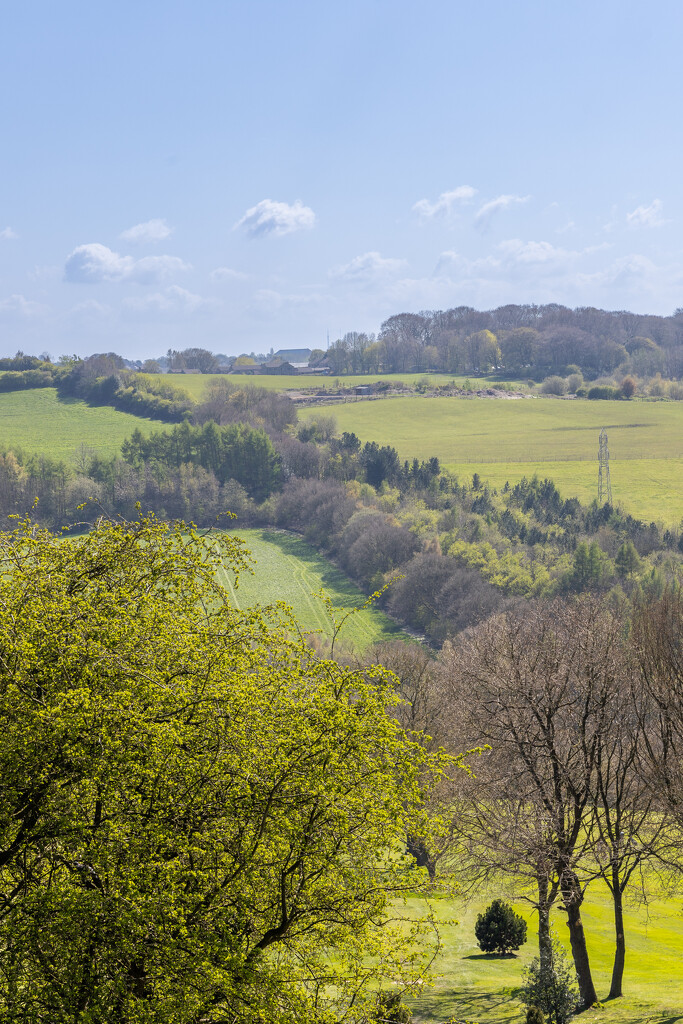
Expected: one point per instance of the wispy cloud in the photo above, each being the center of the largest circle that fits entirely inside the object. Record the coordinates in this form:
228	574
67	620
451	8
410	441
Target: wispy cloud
173	299
367	268
267	302
8	235
494	206
446	202
646	216
514	250
272	218
149	232
227	274
18	306
96	264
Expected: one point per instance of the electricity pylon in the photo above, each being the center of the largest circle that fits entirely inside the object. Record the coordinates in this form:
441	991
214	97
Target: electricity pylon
604	483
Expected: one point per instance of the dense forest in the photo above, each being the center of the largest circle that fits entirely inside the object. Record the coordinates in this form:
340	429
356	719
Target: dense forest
533	341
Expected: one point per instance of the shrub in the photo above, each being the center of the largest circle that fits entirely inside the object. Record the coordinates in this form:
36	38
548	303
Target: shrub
534	1015
390	1007
628	387
551	987
554	386
604	391
500	929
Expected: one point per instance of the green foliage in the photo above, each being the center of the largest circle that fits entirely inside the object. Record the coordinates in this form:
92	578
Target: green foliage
603	392
551	986
499	929
233	452
590	567
198	816
627	561
391	1009
534	1015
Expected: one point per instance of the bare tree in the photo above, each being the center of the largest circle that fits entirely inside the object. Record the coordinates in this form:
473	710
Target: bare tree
630	825
537	687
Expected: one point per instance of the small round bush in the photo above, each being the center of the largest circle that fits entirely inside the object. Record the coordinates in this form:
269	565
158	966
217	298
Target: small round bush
534	1015
554	386
499	929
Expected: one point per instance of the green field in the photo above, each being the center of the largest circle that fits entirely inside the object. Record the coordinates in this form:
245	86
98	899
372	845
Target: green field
507	439
472	986
39	422
195	383
290	570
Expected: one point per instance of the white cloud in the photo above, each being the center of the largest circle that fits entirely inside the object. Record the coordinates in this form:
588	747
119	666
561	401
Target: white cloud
627	271
272	218
227	274
514	250
95	263
488	210
367	268
18	306
8	235
149	231
151	269
445	203
173	299
646	216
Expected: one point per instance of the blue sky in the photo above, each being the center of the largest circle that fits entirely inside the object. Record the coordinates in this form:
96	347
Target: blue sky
247	175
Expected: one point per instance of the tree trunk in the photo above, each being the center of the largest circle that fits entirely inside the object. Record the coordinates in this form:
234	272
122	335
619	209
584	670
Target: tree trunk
545	949
573	898
418	849
620	950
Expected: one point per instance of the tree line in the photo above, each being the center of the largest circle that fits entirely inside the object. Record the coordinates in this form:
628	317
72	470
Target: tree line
519	340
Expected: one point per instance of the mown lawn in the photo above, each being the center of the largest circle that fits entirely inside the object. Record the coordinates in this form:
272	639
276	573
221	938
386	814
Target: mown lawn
39	422
472	986
507	439
290	570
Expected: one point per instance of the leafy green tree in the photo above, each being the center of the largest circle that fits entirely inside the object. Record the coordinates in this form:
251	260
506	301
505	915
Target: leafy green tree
627	561
199	819
499	929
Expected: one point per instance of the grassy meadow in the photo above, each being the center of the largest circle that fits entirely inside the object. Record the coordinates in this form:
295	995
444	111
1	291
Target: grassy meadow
290	570
41	423
507	439
194	384
473	986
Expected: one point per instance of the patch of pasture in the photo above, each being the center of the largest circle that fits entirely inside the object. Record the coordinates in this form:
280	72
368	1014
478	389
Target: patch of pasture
38	422
504	439
290	570
195	383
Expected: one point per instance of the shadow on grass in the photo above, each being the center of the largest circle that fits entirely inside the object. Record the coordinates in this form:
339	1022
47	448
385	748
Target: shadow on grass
491	956
467	1004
